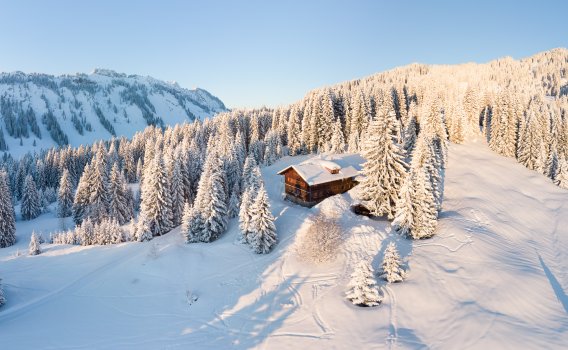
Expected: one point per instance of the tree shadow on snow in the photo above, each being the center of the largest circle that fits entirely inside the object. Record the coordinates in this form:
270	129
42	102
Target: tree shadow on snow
558	290
250	323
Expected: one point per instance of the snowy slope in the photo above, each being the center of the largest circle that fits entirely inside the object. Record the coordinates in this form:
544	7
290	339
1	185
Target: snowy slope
129	103
494	277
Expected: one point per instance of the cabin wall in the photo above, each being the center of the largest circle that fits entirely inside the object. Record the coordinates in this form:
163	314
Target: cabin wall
298	191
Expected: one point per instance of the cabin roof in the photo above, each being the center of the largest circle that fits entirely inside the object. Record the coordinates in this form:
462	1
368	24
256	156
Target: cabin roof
315	171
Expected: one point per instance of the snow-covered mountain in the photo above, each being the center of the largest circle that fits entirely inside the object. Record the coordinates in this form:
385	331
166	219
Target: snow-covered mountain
43	110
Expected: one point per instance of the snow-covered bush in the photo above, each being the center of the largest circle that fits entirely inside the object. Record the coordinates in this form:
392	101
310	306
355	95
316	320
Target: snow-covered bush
108	231
363	287
34	247
392	272
321	241
65	237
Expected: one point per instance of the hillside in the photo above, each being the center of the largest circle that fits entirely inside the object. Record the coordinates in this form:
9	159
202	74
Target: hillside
493	277
45	110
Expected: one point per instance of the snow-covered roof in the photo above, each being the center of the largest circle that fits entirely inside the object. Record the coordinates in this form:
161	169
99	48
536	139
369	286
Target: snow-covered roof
317	171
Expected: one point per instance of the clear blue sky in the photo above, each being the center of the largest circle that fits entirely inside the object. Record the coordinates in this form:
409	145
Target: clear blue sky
253	53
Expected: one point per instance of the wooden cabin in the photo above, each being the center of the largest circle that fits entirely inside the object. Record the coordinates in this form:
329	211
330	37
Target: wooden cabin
312	181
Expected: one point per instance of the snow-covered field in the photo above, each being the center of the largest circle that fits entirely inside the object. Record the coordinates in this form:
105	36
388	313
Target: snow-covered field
493	277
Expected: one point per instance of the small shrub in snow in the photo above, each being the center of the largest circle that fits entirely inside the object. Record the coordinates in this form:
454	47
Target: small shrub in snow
321	241
190	297
392	272
363	287
34	247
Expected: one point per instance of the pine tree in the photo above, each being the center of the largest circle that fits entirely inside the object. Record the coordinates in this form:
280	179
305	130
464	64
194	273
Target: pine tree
245	215
248	176
384	169
531	145
209	214
262	235
562	175
404	218
82	195
234	202
337	140
363	287
425	219
65	195
86	232
143	232
186	219
551	168
392	272
121	205
410	134
156	201
176	191
30	206
99	198
3	144
426	157
216	210
2	297
293	136
34	247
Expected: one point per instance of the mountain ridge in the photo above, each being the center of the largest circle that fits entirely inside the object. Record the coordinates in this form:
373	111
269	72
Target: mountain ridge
40	110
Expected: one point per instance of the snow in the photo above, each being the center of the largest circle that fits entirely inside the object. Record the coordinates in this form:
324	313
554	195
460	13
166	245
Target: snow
315	170
494	276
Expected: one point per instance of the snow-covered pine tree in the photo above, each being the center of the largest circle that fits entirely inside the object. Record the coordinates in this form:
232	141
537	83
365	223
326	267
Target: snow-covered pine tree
82	195
410	134
337	140
262	231
324	120
531	146
385	167
120	206
99	198
115	232
272	144
65	195
30	206
34	247
156	201
425	219
245	215
551	168
562	175
234	202
294	141
143	232
392	272
176	189
2	297
363	287
426	157
86	232
186	219
248	176
215	209
209	214
3	144
404	218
